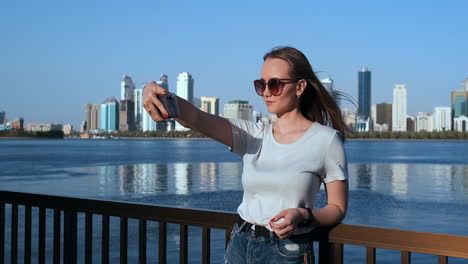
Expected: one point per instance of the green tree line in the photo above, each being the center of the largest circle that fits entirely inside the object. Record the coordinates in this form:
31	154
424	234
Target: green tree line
408	135
21	133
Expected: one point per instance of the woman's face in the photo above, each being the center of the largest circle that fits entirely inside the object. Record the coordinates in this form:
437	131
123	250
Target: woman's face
288	100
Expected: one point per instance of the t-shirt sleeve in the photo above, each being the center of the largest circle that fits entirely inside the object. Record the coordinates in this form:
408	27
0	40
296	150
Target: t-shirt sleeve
335	164
243	135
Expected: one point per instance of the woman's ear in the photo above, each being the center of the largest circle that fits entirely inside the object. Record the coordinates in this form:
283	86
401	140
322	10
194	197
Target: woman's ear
300	87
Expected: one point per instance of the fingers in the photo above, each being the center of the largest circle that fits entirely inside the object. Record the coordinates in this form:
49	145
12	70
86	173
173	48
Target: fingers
151	102
285	232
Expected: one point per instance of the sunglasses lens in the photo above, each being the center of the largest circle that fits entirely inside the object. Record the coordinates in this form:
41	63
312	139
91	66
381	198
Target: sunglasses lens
274	86
259	87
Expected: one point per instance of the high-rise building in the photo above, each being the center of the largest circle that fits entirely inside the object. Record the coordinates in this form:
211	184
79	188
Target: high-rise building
185	88
424	122
163	82
410	123
210	105
399	111
460	124
88	108
328	84
239	110
2	117
126	88
109	115
139	107
364	100
460	108
94	125
442	118
384	115
349	117
126	115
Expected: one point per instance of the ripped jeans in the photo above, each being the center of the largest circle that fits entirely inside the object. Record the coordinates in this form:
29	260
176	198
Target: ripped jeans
245	247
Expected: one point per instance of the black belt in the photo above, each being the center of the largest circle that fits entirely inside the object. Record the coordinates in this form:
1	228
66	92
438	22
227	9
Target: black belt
263	231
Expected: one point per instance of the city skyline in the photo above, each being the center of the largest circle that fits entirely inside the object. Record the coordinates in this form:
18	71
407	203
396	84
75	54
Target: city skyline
59	56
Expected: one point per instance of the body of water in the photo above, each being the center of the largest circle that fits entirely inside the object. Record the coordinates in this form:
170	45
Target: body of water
410	185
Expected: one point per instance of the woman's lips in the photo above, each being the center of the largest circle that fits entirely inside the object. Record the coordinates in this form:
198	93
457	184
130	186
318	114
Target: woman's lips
268	102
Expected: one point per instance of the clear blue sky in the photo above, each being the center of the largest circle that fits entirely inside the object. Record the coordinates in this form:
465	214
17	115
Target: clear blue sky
56	56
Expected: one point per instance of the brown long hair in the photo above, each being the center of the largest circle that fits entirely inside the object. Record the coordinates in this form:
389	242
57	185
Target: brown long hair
316	103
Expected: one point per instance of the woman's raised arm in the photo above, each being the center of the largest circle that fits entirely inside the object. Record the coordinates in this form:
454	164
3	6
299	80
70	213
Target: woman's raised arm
215	127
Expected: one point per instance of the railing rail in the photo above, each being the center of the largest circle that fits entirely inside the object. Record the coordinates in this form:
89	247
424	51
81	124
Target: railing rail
331	240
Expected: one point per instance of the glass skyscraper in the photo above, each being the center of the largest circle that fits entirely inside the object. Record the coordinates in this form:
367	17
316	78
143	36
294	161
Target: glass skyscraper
364	93
364	100
185	91
109	115
399	108
126	88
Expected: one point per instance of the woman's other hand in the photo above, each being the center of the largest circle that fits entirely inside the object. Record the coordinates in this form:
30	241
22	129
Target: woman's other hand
292	218
151	102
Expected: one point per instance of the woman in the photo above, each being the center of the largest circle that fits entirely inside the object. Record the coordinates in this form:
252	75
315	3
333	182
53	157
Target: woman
284	163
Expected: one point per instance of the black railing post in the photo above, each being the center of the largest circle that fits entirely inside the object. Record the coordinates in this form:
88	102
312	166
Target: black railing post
27	234
14	233
162	242
69	247
2	233
42	231
57	236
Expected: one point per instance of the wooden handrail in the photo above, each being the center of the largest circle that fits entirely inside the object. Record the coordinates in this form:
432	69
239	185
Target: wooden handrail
401	240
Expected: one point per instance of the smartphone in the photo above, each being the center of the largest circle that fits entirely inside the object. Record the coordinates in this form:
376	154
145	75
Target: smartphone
169	102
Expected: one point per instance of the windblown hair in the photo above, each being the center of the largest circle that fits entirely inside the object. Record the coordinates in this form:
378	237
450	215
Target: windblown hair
316	103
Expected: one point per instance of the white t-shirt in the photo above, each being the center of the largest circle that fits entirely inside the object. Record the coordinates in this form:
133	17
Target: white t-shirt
280	176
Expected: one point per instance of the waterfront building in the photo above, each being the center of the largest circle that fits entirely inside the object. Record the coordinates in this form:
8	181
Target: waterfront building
185	83
349	117
410	124
328	84
238	109
210	105
33	127
364	100
88	108
459	105
83	127
460	124
17	124
94	125
442	118
2	117
126	115
109	115
424	122
383	115
139	107
67	129
399	108
465	85
126	88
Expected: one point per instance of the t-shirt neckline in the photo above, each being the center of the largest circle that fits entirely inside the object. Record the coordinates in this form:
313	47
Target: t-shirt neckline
308	131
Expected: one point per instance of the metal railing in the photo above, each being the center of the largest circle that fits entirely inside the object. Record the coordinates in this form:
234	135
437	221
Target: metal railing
331	240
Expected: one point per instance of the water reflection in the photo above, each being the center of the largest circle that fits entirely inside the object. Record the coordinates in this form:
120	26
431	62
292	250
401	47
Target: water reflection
412	181
170	178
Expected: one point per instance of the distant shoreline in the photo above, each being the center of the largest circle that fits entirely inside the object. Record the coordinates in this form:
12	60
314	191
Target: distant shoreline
198	138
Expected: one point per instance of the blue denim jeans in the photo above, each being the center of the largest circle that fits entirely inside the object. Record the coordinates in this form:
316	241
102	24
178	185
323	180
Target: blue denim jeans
245	247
